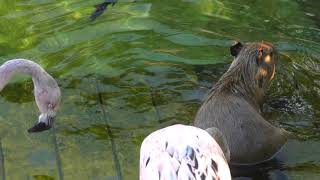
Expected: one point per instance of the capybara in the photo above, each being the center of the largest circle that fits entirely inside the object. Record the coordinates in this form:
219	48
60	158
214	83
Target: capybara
233	105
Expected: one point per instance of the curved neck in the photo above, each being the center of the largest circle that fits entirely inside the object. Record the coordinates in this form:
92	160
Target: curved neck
14	66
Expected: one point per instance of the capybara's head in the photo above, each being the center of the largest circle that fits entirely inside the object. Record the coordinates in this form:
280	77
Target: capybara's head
257	60
252	69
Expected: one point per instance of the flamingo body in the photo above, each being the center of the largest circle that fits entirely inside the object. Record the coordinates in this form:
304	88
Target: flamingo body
182	152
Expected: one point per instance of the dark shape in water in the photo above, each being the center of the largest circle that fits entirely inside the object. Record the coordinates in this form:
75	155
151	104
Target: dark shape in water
42	177
38	127
100	8
268	170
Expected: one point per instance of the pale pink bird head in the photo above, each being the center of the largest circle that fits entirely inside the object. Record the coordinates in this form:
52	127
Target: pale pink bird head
182	152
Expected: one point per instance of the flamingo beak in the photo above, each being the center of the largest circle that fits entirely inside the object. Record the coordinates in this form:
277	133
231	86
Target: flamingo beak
45	122
38	127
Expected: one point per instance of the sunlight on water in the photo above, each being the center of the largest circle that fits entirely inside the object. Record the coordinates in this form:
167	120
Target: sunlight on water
142	65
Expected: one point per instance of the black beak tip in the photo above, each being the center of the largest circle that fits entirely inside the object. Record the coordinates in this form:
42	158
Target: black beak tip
41	126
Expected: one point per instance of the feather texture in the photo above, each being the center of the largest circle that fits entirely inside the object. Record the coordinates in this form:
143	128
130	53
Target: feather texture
182	152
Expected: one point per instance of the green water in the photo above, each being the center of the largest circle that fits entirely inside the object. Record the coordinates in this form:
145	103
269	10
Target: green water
144	65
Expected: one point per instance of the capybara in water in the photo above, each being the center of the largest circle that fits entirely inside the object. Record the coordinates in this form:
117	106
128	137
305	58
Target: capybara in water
233	105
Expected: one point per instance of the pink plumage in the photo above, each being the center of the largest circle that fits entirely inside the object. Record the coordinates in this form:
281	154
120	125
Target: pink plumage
182	152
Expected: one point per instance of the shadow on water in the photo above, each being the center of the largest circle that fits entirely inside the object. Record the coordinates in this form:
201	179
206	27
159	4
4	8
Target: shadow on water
271	170
23	89
101	8
42	177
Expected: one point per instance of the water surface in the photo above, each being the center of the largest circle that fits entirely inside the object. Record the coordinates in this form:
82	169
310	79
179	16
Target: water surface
144	65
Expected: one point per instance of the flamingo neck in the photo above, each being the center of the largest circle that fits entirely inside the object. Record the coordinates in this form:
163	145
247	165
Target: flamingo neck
15	66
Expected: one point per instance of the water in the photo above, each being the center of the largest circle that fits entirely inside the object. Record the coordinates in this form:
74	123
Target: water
144	65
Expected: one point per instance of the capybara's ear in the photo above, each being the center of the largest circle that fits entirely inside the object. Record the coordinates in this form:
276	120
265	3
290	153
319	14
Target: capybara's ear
235	49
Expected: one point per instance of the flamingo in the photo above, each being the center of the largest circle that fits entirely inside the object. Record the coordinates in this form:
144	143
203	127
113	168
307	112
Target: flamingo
46	90
184	152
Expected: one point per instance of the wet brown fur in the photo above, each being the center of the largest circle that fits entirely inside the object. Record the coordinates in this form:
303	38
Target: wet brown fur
233	105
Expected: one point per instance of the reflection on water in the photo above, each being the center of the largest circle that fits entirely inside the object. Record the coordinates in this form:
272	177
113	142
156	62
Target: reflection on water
146	65
42	177
265	171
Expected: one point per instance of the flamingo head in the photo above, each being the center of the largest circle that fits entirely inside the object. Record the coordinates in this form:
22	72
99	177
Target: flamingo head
48	103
